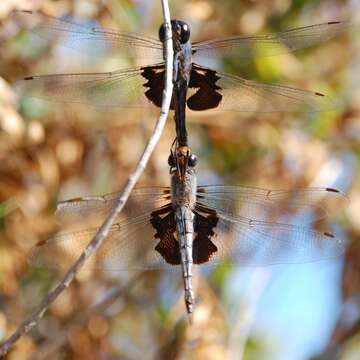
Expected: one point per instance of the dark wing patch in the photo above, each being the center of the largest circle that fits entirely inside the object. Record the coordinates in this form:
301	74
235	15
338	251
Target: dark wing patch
204	225
168	246
155	76
204	80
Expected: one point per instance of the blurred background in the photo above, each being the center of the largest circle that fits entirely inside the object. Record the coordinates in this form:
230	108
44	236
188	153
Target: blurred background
51	152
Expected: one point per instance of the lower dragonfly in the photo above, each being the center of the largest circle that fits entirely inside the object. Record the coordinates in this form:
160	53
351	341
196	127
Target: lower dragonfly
189	225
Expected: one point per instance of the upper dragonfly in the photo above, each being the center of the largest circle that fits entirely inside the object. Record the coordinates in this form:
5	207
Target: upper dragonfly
198	87
186	224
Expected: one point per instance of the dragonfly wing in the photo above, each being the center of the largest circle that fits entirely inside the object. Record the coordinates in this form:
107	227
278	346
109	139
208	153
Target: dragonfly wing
271	205
89	39
249	47
129	246
109	89
258	243
213	90
93	210
141	238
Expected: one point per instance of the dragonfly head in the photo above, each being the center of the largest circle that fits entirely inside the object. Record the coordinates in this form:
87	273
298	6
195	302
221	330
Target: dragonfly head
181	160
180	31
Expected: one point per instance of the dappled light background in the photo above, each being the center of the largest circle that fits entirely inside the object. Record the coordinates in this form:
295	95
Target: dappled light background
53	151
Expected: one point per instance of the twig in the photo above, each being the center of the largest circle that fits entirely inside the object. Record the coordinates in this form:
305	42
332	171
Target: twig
103	231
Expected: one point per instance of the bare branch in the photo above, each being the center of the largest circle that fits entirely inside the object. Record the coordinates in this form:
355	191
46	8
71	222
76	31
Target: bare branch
103	231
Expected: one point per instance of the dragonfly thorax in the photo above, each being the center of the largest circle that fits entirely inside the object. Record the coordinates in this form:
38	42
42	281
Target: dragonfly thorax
183	189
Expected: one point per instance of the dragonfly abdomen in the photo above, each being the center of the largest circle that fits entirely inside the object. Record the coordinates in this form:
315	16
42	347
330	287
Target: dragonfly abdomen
184	219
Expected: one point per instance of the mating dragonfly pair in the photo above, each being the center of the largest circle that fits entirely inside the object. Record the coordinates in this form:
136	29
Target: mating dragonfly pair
197	87
187	224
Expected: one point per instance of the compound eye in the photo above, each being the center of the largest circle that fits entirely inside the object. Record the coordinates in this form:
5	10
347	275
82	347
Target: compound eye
185	33
162	33
192	160
171	161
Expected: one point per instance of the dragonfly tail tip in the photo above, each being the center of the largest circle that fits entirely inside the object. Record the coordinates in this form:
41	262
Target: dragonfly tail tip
332	190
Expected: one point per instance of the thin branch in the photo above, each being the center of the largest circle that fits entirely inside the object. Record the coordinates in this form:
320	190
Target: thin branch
103	231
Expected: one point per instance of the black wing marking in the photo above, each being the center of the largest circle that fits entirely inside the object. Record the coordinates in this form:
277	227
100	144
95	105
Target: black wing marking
168	246
226	92
155	76
207	94
205	222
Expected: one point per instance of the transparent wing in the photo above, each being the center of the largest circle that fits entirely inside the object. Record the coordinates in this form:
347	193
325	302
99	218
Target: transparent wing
238	94
275	205
236	235
132	87
89	39
108	89
130	244
245	48
259	243
94	209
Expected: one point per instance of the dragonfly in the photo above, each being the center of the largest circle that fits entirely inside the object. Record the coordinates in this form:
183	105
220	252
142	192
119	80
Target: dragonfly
188	225
196	86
